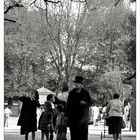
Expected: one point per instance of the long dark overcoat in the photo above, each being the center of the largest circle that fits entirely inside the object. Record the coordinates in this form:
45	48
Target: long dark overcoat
28	117
78	115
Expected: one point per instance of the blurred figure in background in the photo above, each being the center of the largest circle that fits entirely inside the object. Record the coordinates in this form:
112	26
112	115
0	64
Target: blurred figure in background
126	115
7	113
131	80
95	113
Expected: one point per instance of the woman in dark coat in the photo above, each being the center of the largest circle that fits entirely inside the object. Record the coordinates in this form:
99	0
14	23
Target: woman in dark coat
28	117
77	110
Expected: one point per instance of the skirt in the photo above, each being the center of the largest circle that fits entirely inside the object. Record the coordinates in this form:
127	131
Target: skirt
115	124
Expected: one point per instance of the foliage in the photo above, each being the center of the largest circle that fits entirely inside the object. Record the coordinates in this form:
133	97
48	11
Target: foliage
52	44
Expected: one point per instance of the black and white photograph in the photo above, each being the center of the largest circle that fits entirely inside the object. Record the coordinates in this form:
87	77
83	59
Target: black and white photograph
69	70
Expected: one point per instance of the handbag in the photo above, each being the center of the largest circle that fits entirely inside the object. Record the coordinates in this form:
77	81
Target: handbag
107	121
123	124
106	117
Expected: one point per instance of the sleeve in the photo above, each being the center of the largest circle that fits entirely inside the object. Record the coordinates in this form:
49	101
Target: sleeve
51	118
108	108
89	100
37	104
23	98
123	109
68	105
127	81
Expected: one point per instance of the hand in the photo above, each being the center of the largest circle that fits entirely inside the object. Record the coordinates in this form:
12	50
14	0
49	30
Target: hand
66	118
48	125
82	102
83	121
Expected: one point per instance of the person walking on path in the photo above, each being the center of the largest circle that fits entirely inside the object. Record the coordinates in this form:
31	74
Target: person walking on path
126	115
131	80
95	113
61	124
77	110
7	113
46	122
115	109
28	117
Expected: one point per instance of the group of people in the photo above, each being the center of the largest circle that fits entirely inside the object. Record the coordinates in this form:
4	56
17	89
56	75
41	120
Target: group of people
67	109
115	109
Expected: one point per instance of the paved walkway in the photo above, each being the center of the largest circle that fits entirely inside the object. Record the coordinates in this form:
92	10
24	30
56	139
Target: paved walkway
13	131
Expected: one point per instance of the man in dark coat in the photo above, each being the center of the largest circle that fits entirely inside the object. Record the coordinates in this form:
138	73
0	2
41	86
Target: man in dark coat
77	110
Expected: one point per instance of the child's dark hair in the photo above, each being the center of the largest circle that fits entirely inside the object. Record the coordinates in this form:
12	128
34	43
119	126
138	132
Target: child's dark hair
49	97
116	96
35	92
60	107
47	106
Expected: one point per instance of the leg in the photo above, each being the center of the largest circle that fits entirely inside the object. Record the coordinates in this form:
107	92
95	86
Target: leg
63	136
42	135
115	136
74	132
58	136
51	134
47	135
33	135
7	121
4	120
26	135
83	131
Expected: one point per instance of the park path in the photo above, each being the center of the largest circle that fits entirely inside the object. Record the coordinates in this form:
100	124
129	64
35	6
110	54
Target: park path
12	132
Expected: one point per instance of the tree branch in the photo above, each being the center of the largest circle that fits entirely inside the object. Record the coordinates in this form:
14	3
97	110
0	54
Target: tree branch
11	20
10	7
117	2
54	2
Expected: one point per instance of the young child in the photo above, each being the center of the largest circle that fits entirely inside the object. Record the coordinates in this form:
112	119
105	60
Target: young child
7	113
61	126
51	100
46	122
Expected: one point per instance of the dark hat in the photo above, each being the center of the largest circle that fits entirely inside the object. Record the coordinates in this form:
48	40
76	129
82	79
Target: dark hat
78	79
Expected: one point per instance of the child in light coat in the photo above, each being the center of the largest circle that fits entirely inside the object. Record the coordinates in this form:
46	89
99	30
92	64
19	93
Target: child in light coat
61	125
